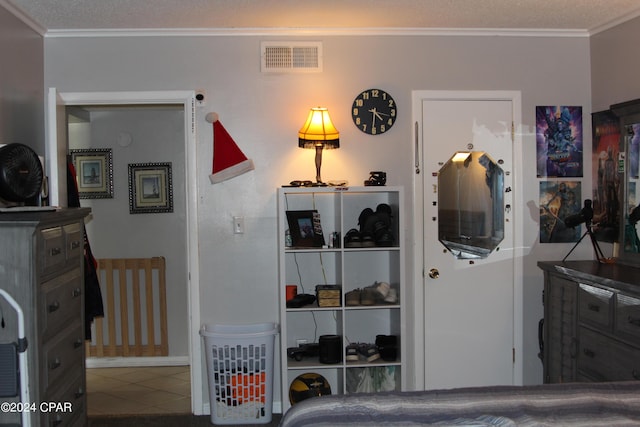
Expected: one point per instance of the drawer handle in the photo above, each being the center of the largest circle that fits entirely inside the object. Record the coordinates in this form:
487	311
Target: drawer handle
55	251
77	343
55	363
54	306
634	320
594	307
589	353
76	292
79	393
75	244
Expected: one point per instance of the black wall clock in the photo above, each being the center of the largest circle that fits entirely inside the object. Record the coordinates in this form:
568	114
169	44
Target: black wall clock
374	111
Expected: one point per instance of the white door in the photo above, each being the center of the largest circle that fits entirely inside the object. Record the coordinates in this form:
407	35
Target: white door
467	245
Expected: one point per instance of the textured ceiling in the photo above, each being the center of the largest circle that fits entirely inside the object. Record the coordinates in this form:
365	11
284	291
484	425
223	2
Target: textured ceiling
584	15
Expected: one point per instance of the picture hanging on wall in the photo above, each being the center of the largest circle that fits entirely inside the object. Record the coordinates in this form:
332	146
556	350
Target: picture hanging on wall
150	188
559	141
605	177
558	200
94	172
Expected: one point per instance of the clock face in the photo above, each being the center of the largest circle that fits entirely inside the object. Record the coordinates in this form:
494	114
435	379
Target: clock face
374	111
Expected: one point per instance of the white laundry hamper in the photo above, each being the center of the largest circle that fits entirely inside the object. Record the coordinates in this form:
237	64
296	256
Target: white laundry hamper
240	372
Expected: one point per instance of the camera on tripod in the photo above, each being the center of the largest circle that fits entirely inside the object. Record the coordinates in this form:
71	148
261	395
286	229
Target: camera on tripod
585	216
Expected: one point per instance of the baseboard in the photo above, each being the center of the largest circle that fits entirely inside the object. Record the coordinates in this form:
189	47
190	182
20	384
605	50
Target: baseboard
132	362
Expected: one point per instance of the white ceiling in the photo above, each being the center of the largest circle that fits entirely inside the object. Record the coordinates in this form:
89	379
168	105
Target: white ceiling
583	15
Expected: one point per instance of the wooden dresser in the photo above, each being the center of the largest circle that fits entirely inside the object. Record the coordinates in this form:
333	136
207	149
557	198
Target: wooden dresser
41	266
591	321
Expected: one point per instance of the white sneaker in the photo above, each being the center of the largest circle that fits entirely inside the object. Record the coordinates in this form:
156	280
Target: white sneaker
392	296
382	288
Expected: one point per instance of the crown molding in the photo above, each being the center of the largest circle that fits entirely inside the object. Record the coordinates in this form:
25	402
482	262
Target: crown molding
614	23
24	17
297	32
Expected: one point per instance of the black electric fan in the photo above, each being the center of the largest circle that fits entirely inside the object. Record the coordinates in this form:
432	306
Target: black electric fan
20	174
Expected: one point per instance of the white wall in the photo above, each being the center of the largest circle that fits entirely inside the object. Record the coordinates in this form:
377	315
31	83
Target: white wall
21	78
157	136
263	112
615	64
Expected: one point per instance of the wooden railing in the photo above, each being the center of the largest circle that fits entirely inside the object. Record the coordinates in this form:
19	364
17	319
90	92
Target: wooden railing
135	309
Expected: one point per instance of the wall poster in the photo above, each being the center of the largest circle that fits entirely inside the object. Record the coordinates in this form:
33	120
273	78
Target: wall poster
558	200
559	140
605	176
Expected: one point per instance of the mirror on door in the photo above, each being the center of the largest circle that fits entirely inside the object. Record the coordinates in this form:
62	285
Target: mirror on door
471	204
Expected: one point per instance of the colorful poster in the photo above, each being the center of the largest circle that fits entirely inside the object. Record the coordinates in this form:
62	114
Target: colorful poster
558	200
605	176
559	141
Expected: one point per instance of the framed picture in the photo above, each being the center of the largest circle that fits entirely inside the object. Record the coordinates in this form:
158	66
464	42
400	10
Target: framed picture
94	173
305	229
150	188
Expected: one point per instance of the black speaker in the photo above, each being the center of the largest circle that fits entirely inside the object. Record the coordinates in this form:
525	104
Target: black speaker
330	350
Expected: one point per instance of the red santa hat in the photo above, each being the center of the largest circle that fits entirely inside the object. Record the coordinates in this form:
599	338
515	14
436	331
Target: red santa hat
228	160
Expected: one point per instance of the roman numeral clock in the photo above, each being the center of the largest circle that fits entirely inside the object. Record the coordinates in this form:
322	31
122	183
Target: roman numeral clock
374	111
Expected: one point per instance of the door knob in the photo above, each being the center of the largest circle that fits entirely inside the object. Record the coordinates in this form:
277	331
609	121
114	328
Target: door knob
434	273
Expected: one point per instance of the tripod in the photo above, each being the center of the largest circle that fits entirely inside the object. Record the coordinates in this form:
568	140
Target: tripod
596	248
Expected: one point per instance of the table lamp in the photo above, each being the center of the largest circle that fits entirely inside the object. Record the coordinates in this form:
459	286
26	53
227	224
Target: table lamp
318	132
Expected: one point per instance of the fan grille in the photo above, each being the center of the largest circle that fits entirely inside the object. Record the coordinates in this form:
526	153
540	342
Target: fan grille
20	173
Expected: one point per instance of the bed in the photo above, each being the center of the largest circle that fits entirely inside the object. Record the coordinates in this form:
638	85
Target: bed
575	404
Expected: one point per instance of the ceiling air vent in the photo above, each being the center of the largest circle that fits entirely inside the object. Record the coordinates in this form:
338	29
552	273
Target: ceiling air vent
291	57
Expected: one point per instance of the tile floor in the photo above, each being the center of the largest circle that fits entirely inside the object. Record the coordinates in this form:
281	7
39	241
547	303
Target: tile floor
138	391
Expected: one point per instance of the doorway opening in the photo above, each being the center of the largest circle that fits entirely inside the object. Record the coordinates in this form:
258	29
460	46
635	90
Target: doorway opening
141	128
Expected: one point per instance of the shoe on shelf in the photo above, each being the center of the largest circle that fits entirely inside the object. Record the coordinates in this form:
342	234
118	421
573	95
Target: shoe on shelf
392	296
353	239
382	225
352	353
364	220
381	288
368	296
368	352
352	298
387	347
367	240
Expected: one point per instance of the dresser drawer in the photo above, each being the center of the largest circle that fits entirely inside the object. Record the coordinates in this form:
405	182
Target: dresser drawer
595	305
74	241
628	316
62	357
53	249
594	354
72	397
606	359
60	303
